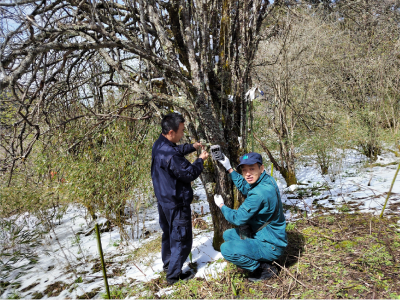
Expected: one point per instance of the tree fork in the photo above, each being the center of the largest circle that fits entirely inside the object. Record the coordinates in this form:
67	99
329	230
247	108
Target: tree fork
288	174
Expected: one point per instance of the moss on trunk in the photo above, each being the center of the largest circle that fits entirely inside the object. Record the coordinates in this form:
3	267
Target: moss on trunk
289	176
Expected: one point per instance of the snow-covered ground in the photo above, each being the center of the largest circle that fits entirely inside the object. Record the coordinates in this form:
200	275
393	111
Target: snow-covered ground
355	184
68	254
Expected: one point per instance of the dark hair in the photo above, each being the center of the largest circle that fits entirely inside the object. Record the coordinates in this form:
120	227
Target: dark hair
171	122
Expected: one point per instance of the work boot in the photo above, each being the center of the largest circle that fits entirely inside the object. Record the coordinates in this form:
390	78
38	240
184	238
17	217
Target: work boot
264	272
183	276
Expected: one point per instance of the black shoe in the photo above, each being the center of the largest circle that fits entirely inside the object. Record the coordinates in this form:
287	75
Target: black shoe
165	268
183	276
264	272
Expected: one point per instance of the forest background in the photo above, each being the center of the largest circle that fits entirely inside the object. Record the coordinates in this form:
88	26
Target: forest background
84	85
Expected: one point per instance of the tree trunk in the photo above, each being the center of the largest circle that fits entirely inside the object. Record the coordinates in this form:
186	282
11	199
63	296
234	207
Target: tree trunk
287	172
215	178
289	176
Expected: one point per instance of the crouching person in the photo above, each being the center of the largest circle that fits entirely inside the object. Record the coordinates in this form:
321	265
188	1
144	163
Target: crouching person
260	238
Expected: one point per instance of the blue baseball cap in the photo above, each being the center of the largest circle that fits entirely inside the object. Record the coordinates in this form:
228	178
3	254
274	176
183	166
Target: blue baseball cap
250	159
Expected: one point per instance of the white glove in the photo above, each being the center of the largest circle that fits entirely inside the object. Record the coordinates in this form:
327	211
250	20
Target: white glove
218	200
226	163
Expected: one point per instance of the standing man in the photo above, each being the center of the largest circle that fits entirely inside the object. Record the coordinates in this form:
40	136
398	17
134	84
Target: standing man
261	236
172	174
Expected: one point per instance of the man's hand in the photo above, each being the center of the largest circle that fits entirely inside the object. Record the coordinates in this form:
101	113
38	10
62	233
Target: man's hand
204	155
218	200
197	145
226	163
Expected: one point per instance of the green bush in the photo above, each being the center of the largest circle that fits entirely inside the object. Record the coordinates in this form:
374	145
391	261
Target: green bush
107	172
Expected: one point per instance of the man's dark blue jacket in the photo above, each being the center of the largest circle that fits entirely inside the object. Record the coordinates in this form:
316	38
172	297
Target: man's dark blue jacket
172	172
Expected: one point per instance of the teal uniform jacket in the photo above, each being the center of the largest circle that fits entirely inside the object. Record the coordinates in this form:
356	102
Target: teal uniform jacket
263	204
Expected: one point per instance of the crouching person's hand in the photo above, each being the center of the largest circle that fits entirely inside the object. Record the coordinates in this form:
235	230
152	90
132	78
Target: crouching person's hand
226	163
218	200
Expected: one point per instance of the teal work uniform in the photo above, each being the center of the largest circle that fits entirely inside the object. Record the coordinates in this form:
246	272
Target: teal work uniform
263	204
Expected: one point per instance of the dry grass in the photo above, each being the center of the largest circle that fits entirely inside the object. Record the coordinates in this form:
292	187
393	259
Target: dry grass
152	246
147	252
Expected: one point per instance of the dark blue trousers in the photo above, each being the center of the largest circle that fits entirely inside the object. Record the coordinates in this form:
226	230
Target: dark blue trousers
176	224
